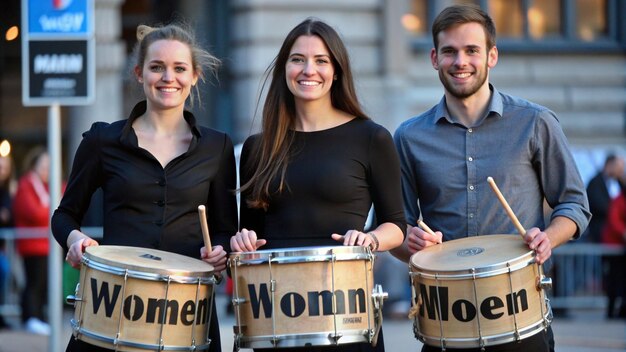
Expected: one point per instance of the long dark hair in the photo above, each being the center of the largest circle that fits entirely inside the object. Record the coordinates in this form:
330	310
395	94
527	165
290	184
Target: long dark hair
270	156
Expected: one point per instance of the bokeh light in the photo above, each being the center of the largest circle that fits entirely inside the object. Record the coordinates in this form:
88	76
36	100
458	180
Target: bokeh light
12	33
5	148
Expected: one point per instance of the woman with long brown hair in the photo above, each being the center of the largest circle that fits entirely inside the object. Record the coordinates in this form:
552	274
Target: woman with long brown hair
312	174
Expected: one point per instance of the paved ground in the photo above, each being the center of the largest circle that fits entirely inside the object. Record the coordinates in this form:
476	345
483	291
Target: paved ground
581	331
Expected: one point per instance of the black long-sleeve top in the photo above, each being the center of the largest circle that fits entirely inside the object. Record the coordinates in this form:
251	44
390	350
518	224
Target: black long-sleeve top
333	178
144	204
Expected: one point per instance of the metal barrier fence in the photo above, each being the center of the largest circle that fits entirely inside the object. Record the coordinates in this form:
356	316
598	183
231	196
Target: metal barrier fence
12	278
577	273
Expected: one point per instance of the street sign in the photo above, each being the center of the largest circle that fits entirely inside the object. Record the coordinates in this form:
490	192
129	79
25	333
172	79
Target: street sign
58	52
54	17
58	70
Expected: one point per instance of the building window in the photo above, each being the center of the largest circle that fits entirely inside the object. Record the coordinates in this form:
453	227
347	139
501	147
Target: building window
544	25
594	24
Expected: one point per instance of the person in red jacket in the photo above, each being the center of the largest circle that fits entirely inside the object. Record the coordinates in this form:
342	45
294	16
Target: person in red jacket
614	232
31	209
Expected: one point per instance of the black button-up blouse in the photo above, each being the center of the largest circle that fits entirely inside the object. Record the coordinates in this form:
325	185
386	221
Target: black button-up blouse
144	204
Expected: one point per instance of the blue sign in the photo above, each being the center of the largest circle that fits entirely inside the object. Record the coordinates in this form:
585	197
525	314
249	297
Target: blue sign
59	17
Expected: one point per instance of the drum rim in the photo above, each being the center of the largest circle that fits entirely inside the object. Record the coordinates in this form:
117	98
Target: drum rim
320	338
494	269
113	342
303	254
145	272
490	340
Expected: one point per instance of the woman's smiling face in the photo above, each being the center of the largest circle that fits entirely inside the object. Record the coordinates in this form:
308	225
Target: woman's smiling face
167	74
309	70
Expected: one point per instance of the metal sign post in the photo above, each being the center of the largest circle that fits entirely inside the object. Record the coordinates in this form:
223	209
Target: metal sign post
58	68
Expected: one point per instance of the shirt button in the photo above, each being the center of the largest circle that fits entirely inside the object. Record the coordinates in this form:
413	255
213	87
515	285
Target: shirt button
470	130
471	215
471	187
160	182
160	203
470	159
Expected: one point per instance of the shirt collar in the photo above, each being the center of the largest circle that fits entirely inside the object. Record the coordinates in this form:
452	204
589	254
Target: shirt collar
496	108
140	109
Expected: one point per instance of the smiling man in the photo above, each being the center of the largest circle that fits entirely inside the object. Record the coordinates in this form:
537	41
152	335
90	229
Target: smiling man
476	132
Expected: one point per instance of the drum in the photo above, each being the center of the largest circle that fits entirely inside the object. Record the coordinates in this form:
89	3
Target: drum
478	291
138	299
310	296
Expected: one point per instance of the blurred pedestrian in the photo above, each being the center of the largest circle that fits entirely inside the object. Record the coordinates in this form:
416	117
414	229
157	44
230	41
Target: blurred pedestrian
603	188
7	191
614	233
31	208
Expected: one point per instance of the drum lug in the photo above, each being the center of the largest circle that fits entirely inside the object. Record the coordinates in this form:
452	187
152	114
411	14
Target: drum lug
544	283
72	299
378	296
336	336
238	300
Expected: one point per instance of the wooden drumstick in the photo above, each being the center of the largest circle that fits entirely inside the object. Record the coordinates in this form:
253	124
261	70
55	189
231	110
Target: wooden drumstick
425	227
506	206
205	228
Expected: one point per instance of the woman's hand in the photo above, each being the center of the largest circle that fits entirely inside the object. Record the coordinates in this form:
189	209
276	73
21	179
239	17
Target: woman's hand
246	241
217	258
77	242
355	238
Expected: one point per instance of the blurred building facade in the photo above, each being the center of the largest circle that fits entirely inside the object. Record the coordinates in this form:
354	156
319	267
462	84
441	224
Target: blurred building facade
568	55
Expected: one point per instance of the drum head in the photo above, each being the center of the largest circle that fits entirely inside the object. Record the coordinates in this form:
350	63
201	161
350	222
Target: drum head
148	260
472	252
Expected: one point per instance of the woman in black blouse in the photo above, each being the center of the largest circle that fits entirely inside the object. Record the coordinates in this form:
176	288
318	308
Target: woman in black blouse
310	177
155	167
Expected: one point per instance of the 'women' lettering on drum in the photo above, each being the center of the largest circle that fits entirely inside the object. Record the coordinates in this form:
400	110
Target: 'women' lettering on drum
463	310
155	311
293	304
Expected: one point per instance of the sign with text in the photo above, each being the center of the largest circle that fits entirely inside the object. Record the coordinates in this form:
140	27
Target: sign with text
67	17
58	61
57	69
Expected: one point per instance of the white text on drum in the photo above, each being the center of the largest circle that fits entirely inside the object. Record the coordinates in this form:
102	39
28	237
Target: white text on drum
293	304
156	311
431	297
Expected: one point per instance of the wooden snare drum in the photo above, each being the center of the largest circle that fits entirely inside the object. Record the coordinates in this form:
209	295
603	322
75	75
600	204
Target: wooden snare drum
138	299
478	291
311	296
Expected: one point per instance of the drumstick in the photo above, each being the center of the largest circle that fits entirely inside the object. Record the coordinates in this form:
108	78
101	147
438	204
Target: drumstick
205	228
425	227
506	206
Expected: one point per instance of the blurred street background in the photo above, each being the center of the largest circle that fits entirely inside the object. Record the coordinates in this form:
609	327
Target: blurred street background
568	55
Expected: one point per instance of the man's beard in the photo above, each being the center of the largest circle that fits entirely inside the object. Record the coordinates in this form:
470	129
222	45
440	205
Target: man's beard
466	91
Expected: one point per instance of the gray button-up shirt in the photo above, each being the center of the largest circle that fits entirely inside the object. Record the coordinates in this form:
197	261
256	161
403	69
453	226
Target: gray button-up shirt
520	144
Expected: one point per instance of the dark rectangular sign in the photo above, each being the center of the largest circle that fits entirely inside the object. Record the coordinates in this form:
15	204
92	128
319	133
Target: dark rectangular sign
58	69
